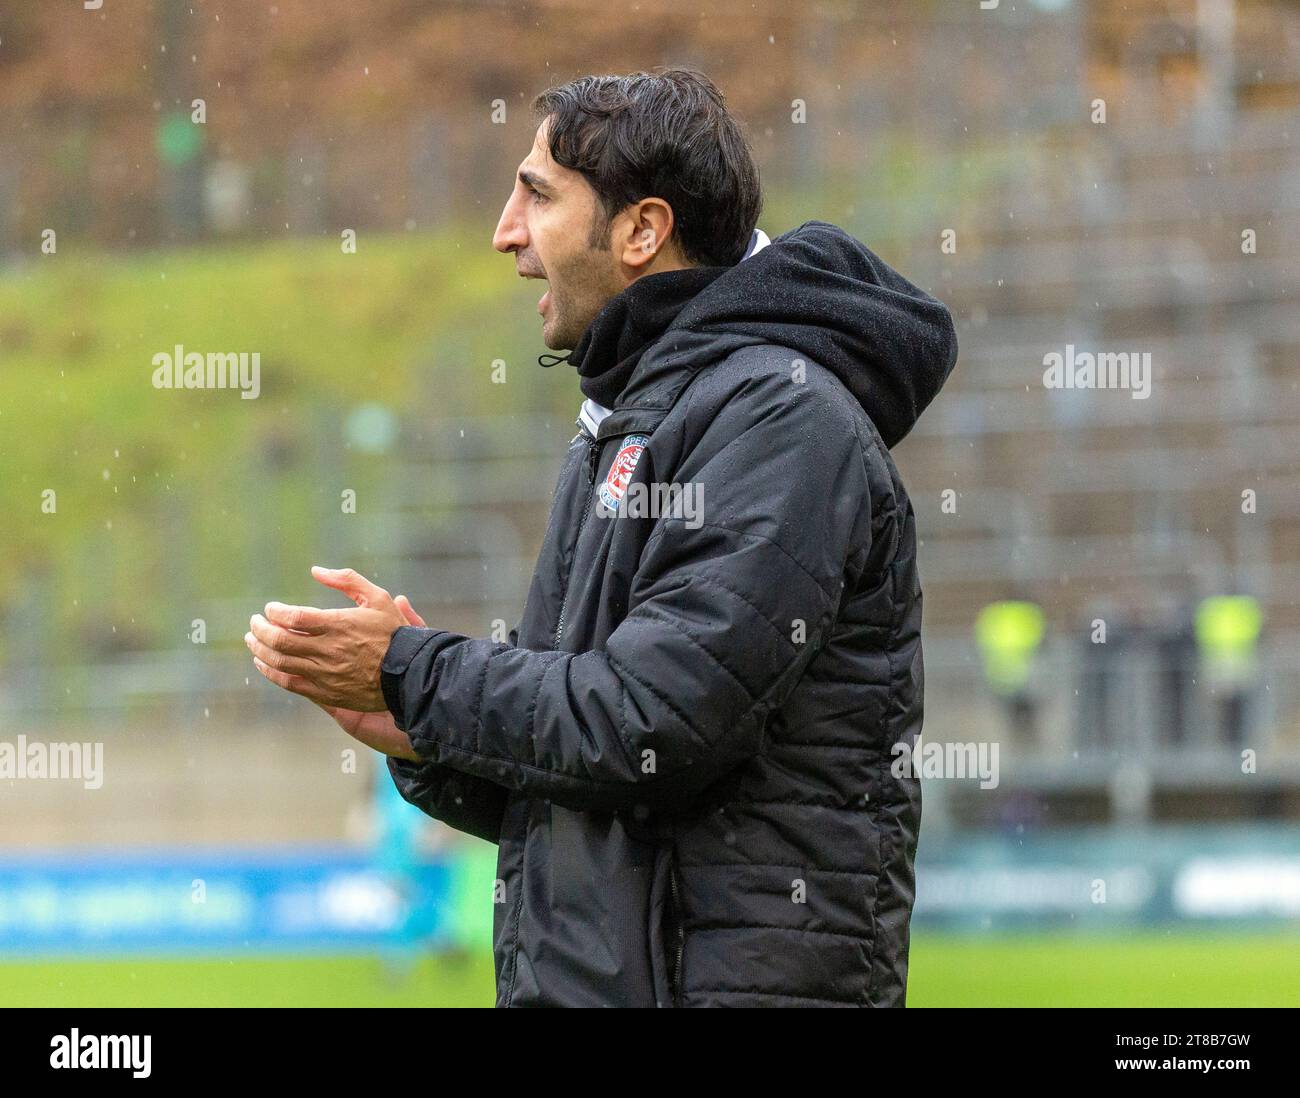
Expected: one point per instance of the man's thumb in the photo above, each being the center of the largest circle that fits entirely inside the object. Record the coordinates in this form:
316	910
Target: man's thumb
408	611
359	589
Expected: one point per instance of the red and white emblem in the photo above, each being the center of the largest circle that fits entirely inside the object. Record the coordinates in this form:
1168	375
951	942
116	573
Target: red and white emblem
620	473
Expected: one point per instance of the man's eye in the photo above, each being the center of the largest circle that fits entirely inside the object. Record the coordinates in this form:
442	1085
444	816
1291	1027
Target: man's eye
538	196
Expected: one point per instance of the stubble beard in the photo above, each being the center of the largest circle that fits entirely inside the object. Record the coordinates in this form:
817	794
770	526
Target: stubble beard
587	289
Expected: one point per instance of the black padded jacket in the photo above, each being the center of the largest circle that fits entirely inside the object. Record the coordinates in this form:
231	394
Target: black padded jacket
684	750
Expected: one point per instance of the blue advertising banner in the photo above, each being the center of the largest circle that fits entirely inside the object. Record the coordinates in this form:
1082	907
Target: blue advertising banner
1109	877
295	899
338	899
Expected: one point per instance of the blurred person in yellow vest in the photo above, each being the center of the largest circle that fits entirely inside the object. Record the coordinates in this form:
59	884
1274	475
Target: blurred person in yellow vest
1009	633
1227	638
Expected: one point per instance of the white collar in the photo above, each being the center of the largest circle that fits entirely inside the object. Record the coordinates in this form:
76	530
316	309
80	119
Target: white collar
591	415
757	243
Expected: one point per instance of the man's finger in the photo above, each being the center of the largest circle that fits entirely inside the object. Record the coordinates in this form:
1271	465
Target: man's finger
408	612
352	583
283	640
292	683
300	619
278	661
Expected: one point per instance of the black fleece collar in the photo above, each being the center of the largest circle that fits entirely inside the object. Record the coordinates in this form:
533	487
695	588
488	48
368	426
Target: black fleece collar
628	324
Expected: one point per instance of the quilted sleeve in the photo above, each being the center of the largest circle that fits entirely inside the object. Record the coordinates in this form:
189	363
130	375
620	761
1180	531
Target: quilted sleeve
725	615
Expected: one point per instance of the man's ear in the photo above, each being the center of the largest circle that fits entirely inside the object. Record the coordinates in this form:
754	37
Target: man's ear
645	232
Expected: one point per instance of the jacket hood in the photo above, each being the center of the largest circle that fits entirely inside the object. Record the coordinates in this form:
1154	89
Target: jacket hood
828	297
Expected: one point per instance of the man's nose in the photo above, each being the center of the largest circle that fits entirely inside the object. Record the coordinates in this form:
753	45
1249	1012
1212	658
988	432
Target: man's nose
511	234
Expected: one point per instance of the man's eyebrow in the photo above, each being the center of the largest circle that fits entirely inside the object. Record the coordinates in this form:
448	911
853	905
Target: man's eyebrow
532	179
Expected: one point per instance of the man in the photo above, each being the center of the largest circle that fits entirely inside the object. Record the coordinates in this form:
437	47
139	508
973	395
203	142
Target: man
684	749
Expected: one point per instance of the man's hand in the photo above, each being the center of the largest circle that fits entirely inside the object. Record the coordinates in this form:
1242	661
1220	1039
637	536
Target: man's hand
378	730
331	657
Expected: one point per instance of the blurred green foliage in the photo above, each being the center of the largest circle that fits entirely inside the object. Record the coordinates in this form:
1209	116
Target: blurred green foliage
167	498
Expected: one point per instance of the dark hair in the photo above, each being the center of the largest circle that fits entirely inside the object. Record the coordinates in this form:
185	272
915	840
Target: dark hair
665	134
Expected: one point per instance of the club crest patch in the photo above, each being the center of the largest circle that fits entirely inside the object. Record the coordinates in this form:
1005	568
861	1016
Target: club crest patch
620	473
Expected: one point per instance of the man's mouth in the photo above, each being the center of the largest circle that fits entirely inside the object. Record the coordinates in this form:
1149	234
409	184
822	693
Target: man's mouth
545	299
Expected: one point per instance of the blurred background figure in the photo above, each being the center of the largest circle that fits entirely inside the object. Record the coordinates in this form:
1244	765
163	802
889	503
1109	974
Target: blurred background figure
455	918
1009	633
398	849
1227	634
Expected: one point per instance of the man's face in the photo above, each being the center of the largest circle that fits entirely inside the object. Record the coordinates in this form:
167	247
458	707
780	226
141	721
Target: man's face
548	223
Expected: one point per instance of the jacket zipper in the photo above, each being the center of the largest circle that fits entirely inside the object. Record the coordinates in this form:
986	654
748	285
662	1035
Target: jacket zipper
679	920
593	449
